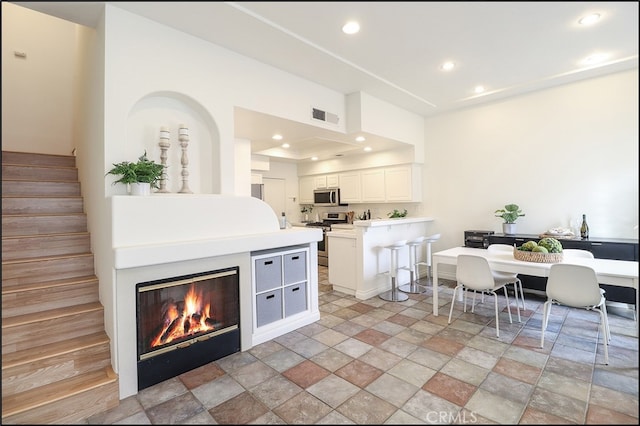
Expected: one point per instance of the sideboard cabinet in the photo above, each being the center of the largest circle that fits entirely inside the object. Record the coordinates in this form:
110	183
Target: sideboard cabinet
602	248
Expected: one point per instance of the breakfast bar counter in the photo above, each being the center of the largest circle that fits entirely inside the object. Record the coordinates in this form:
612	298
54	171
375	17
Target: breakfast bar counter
358	261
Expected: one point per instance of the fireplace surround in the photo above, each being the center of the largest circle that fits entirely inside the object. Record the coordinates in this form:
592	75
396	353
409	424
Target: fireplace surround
185	322
191	234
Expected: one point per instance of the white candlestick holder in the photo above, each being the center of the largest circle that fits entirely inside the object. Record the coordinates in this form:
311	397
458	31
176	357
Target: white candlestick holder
164	147
183	137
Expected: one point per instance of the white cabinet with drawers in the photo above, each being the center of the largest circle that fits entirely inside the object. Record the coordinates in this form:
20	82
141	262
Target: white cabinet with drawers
280	281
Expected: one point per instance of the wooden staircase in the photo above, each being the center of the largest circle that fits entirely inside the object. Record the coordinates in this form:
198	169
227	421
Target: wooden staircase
56	362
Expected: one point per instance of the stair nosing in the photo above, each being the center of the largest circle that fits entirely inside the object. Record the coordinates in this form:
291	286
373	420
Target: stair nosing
58	234
6	290
40	259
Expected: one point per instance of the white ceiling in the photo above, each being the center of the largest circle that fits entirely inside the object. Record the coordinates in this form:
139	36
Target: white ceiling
509	47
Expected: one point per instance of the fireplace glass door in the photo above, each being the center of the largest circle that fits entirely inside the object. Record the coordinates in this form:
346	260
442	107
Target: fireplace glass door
187	315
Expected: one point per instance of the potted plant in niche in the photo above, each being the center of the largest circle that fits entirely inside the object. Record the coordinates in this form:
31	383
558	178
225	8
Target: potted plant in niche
141	176
510	213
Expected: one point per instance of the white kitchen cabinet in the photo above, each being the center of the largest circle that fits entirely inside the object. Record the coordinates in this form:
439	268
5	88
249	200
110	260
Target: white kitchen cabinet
333	181
320	182
306	185
403	183
373	186
350	187
280	282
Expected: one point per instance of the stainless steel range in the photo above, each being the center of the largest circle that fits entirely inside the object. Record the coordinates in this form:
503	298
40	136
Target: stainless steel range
323	246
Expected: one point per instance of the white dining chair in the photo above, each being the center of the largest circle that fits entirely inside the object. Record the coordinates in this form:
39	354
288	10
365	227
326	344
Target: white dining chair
474	273
576	286
517	283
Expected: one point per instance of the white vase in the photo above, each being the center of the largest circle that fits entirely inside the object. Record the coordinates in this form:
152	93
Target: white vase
140	188
509	228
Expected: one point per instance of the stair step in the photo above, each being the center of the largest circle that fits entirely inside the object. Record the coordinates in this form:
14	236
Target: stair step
42	205
32	330
20	225
31	158
28	271
46	188
36	297
33	246
64	402
42	365
32	172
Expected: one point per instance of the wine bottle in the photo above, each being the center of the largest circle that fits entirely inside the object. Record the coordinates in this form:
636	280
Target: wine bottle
584	228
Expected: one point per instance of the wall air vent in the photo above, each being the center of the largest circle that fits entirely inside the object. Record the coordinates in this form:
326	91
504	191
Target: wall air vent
327	117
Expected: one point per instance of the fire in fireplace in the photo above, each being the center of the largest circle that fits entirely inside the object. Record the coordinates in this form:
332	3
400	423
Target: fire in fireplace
185	322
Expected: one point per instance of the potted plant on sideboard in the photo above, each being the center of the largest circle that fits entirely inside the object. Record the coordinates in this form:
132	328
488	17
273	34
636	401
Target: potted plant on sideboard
141	176
510	213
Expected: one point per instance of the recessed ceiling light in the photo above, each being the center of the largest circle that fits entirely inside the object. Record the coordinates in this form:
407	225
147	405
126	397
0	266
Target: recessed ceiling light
314	158
367	148
360	139
589	19
351	27
276	137
447	66
479	89
285	145
595	59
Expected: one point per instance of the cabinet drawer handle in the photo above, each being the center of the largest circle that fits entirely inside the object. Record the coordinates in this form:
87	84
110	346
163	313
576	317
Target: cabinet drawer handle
295	289
519	239
596	244
271	296
269	262
295	258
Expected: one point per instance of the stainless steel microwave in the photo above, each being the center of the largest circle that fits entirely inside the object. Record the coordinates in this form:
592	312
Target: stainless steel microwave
327	197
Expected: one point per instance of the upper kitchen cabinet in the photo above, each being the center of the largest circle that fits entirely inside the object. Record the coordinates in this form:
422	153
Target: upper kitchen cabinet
326	181
403	183
306	185
350	187
373	186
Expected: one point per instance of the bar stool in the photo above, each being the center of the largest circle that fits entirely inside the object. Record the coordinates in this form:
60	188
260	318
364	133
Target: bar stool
428	241
413	287
394	295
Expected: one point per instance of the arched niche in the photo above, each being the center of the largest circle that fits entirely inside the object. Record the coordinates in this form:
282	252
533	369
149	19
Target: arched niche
171	110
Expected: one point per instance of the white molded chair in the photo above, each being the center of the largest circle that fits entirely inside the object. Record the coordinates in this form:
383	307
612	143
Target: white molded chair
474	273
517	284
576	286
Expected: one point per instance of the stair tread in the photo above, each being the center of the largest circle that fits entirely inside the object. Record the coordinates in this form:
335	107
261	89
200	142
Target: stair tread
23	401
52	349
43	214
50	314
44	258
60	234
47	284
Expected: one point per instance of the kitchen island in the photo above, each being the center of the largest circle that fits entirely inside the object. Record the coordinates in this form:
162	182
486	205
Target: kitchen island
358	261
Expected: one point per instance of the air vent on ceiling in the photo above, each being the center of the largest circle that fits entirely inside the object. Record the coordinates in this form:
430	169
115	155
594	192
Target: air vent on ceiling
327	117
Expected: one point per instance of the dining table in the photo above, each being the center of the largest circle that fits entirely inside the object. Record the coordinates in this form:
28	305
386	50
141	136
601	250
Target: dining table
623	273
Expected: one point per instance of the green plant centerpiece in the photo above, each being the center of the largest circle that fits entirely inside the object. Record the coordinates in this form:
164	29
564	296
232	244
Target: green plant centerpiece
396	214
510	213
142	171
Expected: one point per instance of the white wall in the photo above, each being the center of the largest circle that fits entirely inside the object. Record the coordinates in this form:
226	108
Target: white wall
557	153
31	84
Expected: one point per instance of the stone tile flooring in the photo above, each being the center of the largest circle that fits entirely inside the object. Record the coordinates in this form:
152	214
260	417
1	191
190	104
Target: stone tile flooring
375	362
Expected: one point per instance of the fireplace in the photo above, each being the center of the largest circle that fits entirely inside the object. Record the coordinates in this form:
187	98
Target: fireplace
185	322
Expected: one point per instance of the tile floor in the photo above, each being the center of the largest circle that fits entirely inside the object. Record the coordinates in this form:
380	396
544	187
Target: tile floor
375	362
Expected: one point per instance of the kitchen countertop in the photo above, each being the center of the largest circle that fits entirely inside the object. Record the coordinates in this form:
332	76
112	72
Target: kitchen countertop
390	222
